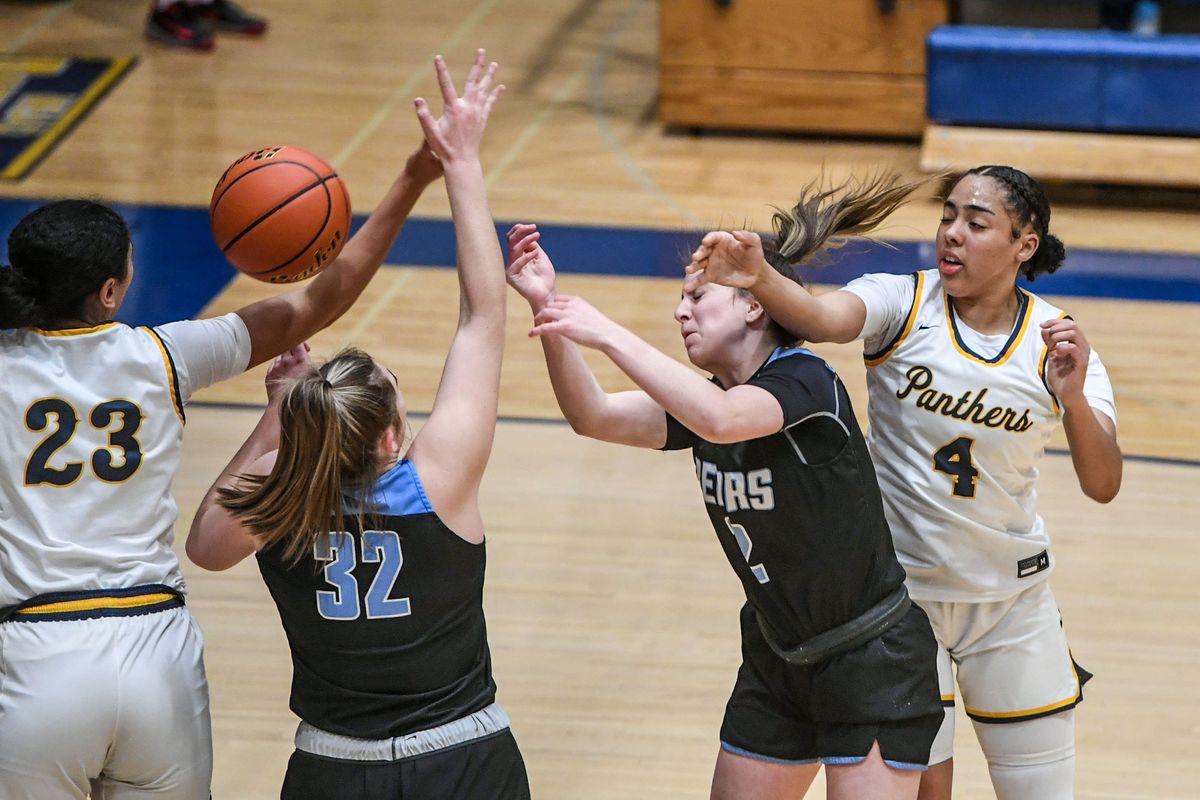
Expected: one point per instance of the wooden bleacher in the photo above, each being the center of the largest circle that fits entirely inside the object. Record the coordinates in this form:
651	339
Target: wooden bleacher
1067	155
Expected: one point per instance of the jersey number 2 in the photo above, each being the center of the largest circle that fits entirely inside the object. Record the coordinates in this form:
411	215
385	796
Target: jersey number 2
106	466
382	547
955	460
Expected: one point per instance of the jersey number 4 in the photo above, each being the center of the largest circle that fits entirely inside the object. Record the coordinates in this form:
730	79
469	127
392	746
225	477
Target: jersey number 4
955	460
107	466
381	547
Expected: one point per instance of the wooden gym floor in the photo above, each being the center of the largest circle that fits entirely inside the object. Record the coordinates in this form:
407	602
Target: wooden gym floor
612	612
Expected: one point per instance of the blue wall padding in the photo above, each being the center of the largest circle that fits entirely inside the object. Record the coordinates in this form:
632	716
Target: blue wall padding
1064	79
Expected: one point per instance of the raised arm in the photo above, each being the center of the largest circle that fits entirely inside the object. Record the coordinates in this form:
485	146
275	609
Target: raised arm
217	540
280	322
630	418
452	449
1091	435
736	259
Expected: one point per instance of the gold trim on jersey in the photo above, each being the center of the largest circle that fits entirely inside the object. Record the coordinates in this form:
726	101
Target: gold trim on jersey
76	331
1042	362
875	359
1024	314
172	376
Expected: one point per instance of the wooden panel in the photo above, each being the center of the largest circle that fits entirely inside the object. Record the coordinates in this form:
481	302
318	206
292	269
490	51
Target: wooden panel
1063	155
809	101
851	35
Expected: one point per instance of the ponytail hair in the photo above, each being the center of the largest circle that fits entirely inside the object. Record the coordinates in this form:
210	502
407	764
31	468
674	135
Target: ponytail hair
331	422
825	219
1027	205
18	308
61	254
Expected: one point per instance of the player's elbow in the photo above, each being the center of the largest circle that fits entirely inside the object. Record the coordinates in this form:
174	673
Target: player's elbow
584	423
1104	493
1103	488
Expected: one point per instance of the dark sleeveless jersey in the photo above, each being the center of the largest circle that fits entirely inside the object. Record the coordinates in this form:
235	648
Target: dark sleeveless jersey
385	625
799	513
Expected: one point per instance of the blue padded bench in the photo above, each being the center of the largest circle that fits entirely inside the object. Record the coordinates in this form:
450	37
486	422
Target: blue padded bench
1103	81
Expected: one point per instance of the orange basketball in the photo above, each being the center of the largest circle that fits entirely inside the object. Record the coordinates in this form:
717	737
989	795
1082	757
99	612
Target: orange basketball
280	214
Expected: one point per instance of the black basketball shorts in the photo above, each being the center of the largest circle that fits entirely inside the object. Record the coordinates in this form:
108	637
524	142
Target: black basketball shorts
884	691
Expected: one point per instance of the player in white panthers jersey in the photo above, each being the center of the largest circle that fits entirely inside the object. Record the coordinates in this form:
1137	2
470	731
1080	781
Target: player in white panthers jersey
968	374
94	418
102	686
960	485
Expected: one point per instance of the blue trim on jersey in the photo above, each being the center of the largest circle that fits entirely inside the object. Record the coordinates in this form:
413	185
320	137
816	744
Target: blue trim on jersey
398	493
737	751
785	352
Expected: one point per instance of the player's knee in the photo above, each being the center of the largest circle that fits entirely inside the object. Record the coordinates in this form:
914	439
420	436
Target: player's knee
1031	759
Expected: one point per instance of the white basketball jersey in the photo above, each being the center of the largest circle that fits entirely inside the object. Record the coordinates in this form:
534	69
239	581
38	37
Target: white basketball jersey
91	424
956	437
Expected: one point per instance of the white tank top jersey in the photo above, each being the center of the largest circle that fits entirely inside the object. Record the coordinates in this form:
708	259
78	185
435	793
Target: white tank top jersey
91	424
958	423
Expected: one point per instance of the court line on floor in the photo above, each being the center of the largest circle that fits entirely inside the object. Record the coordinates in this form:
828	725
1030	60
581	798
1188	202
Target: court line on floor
368	317
510	155
611	141
404	92
1168	461
48	17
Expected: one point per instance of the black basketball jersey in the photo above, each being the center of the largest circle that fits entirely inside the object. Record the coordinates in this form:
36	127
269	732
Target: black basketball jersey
798	513
385	624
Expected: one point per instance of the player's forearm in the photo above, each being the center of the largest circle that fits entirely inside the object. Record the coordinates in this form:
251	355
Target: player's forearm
1094	452
826	318
683	393
580	397
480	262
335	289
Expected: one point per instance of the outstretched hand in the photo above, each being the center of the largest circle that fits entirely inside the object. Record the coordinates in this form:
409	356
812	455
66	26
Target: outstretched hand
286	368
730	258
455	135
529	270
575	319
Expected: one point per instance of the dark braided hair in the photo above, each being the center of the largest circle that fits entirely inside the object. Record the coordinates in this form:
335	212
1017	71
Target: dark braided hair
61	254
1027	205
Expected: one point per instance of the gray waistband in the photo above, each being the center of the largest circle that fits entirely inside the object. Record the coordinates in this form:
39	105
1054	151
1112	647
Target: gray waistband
482	723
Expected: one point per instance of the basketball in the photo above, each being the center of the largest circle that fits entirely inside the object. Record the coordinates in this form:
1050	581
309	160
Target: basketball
280	214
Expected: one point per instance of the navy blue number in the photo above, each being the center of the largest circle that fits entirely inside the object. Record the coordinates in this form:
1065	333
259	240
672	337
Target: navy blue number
131	453
955	460
381	547
37	418
107	467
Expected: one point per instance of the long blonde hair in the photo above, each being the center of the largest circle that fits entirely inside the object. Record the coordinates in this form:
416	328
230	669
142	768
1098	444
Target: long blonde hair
825	218
331	422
